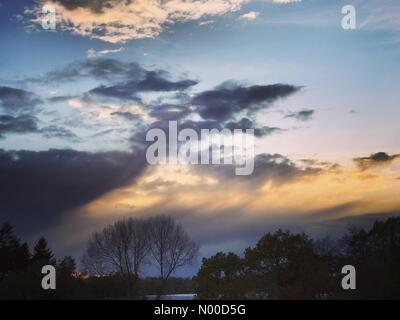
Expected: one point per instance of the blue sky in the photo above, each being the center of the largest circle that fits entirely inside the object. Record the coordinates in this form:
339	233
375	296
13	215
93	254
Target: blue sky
301	43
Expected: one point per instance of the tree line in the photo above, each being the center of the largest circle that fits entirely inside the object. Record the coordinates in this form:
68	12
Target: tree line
283	265
111	265
128	244
20	270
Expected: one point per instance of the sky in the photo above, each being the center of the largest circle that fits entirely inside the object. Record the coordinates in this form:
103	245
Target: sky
77	100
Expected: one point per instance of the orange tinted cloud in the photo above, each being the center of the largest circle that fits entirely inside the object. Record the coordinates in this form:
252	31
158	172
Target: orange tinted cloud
185	188
121	21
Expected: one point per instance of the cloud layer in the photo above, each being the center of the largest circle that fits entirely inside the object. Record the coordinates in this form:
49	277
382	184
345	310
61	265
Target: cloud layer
123	20
14	100
375	159
230	98
303	115
45	185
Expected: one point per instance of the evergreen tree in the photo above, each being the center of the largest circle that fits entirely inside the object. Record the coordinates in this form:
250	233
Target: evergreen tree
42	254
14	257
67	266
376	256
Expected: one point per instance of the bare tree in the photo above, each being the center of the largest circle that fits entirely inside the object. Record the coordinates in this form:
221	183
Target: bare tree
120	247
139	243
123	247
170	247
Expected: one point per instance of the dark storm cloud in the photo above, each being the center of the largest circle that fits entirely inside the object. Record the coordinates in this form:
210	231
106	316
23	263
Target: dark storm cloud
121	91
25	124
198	125
303	115
166	113
246	123
41	187
139	137
13	100
19	124
152	82
376	159
96	6
157	81
266	131
230	98
128	78
278	169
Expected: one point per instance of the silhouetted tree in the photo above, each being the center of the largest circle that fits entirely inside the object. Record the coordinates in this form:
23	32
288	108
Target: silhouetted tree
376	256
68	286
14	257
170	247
285	266
221	277
42	254
281	266
67	265
120	247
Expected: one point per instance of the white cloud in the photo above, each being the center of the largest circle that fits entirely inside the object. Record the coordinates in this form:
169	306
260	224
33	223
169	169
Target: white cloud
91	53
122	21
252	15
205	23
